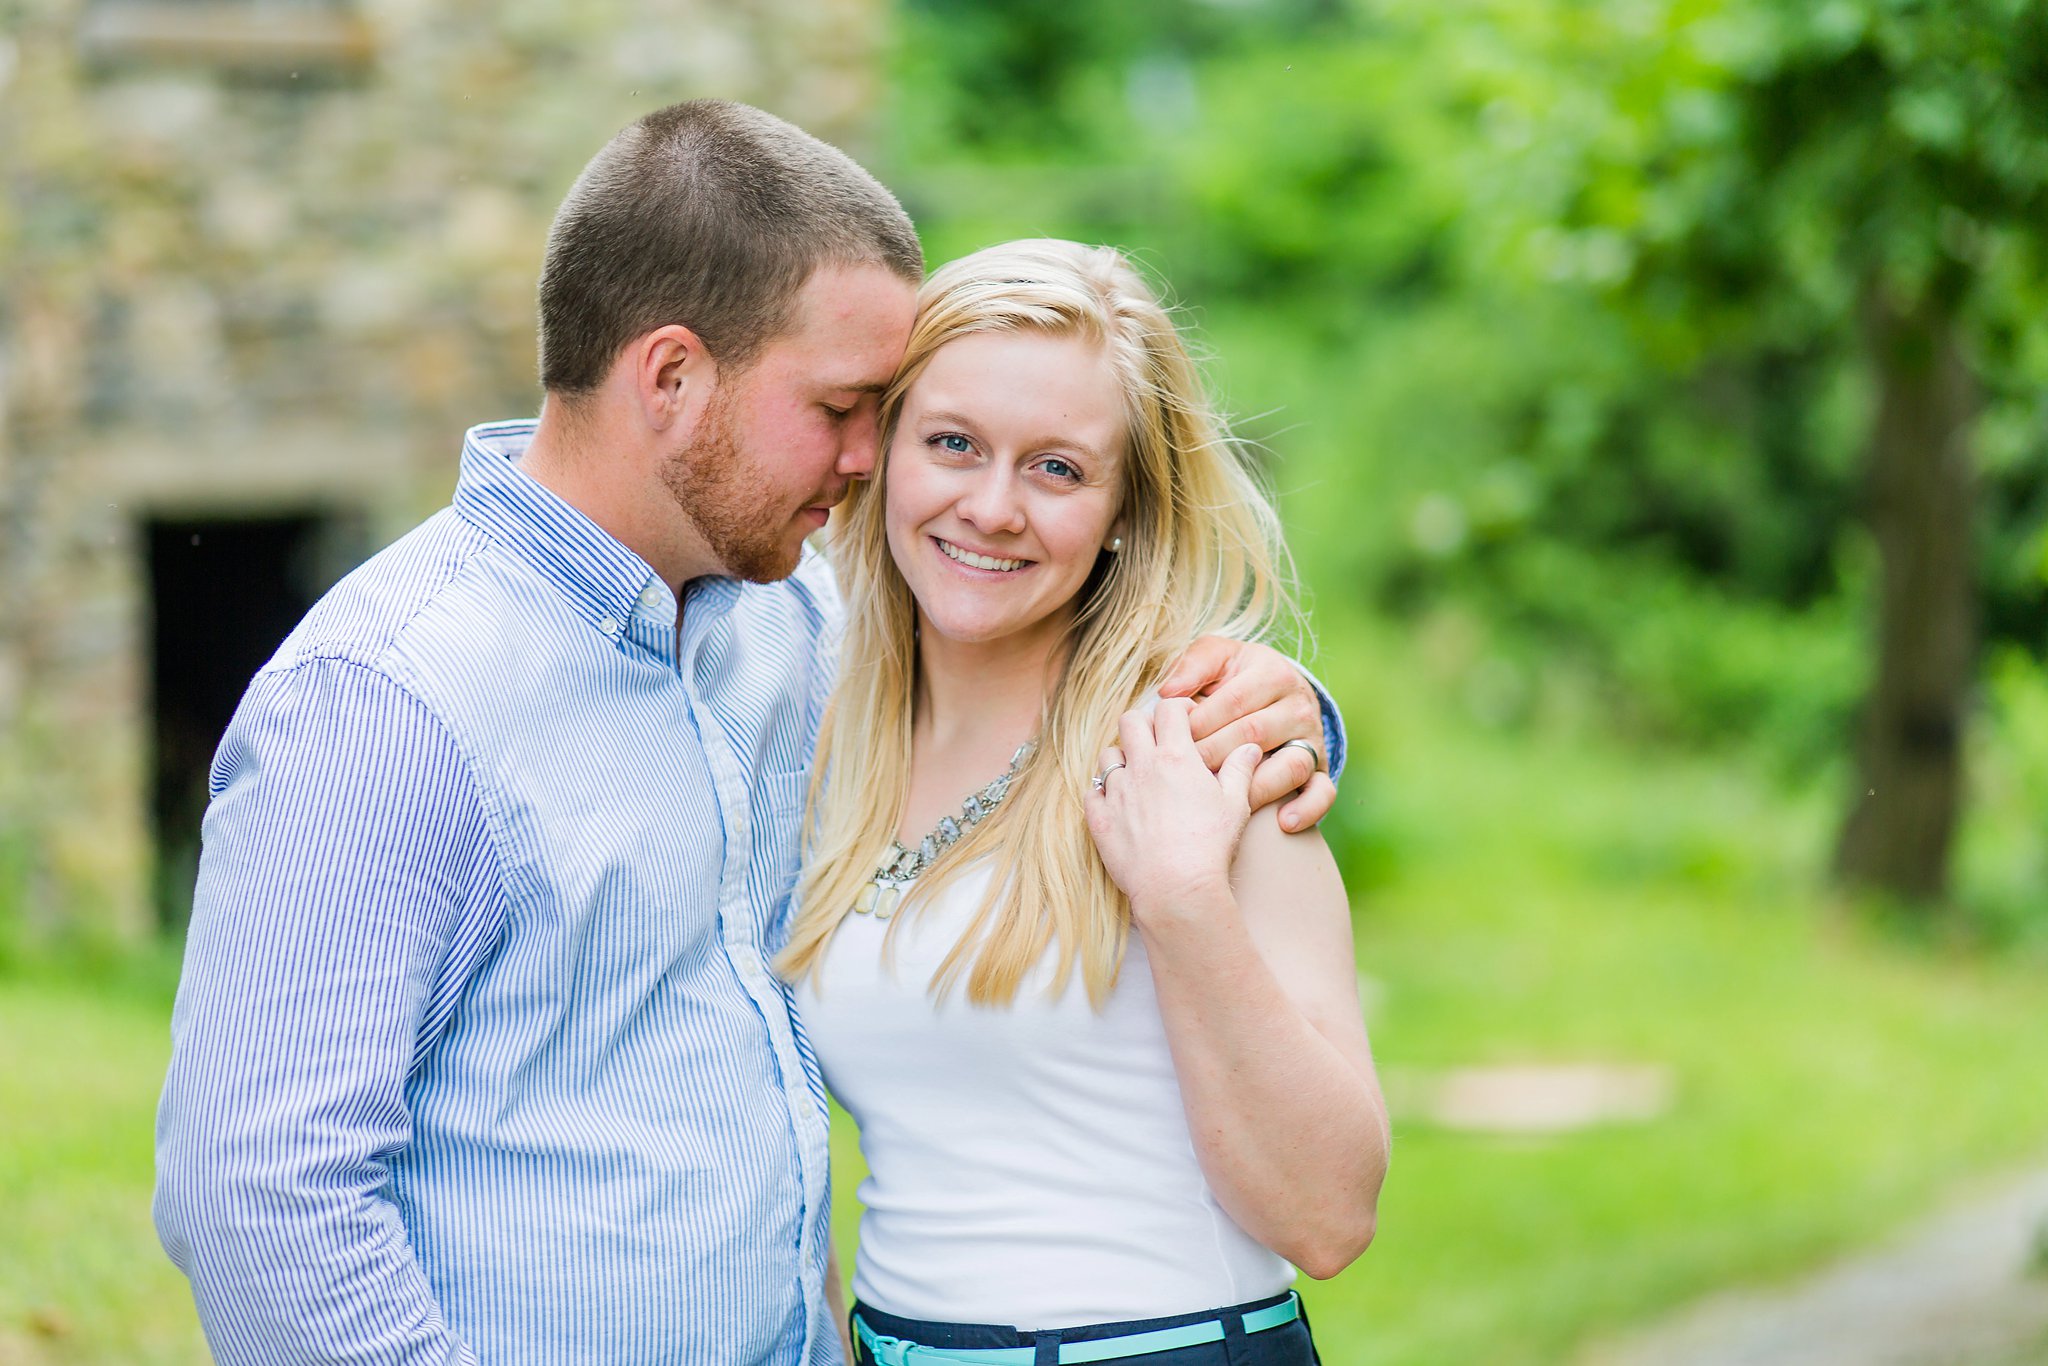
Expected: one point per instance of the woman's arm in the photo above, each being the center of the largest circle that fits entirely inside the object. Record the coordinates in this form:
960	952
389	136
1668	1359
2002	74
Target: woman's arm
1259	989
1252	960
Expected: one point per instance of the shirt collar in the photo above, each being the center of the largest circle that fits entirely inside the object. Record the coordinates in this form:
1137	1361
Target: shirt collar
600	577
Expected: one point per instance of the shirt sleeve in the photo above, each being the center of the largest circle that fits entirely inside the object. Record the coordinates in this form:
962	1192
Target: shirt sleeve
347	887
1333	725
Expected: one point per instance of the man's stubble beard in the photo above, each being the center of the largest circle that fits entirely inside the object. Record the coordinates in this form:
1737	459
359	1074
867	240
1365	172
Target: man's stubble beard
727	501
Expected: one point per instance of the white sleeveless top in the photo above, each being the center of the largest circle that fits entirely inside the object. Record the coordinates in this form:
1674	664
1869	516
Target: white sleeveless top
1029	1165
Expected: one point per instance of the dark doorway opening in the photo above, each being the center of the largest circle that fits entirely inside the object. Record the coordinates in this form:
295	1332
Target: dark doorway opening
223	594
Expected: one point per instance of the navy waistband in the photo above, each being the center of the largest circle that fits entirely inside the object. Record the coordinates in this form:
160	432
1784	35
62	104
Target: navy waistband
930	1333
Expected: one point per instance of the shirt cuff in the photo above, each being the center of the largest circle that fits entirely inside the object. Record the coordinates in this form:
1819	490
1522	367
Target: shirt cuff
1333	724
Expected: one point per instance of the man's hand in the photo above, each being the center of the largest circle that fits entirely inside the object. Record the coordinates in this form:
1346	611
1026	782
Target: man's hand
1245	692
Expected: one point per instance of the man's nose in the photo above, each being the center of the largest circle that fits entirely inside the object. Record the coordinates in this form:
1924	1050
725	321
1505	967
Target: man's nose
859	446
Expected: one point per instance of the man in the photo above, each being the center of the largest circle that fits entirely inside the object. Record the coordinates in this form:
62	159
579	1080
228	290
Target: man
477	1055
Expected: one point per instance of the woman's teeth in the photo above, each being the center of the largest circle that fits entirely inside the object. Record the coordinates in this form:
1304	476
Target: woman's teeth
954	552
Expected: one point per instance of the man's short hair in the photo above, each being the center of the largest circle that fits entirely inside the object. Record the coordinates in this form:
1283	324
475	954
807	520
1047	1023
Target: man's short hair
711	215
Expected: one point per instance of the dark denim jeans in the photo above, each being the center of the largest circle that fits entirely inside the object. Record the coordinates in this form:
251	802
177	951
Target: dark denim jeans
1288	1345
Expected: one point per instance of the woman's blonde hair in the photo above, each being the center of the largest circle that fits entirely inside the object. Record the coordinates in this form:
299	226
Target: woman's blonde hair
1201	555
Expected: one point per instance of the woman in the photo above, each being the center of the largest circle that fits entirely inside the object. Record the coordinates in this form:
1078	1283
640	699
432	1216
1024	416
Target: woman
1135	1164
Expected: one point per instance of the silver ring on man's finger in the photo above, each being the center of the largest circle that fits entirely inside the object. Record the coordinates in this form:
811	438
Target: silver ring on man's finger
1315	755
1103	777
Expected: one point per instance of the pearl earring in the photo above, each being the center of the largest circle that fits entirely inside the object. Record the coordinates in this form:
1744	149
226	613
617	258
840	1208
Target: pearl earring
1116	543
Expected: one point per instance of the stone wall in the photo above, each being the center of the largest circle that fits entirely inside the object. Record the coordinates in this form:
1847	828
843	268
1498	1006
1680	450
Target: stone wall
276	256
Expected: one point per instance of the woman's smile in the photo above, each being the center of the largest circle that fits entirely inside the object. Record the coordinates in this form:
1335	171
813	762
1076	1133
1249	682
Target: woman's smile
962	556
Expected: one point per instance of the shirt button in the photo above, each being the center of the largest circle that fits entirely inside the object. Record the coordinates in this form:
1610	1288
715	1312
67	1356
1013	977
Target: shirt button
609	626
650	596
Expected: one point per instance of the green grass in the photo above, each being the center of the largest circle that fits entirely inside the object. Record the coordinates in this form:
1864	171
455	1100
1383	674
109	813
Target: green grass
1531	895
82	1278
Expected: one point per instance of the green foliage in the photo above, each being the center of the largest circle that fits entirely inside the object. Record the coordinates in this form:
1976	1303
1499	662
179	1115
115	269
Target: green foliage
1291	182
2005	849
1014	79
13	893
1739	181
1546	310
1685	662
1400	499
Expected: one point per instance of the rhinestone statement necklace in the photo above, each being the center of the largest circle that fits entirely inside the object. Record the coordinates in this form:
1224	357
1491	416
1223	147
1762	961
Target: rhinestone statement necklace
900	867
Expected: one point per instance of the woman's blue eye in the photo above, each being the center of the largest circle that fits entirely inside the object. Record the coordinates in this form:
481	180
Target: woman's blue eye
956	443
1060	469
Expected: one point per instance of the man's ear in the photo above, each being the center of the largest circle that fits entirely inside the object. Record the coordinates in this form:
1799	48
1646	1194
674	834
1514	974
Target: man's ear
671	373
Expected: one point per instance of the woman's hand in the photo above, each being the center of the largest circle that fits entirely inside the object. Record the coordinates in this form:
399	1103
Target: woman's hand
1166	826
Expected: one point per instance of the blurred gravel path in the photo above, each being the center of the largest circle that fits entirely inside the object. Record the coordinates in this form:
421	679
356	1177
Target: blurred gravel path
1967	1288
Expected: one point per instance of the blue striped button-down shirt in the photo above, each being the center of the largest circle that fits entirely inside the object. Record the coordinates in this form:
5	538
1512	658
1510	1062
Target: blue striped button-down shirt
477	1052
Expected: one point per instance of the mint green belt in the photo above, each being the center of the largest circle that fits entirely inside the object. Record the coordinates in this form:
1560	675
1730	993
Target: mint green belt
897	1352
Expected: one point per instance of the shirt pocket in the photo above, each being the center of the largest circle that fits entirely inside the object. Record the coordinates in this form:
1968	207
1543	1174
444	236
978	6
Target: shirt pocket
778	844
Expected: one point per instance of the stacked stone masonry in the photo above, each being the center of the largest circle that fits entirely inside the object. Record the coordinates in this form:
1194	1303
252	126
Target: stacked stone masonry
266	260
